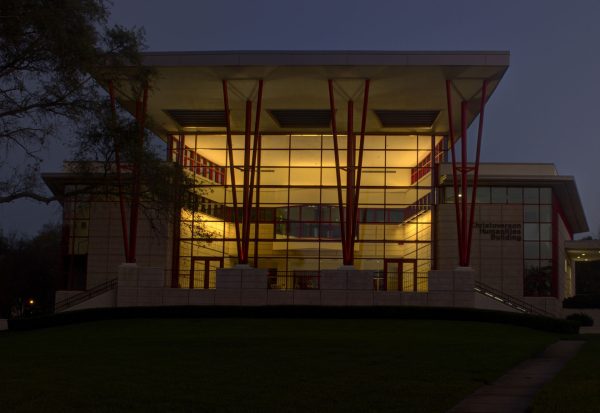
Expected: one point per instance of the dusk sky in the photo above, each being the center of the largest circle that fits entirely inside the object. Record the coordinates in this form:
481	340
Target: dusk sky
545	110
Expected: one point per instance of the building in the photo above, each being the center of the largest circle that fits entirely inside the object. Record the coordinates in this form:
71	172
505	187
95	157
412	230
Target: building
336	179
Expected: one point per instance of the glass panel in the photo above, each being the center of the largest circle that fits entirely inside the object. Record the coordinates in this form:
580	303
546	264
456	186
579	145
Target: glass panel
305	157
545	196
531	196
483	195
310	213
545	213
545	232
498	195
532	232
515	195
275	142
306	141
531	249
294	213
546	250
406	143
375	142
538	279
531	213
305	176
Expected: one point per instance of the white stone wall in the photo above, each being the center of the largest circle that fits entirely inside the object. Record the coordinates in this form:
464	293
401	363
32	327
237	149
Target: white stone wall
105	246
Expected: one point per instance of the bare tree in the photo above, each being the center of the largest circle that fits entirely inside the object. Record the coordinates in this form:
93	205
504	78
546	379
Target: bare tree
51	53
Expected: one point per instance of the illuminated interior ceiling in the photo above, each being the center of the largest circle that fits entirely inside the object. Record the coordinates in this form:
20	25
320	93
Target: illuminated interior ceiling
583	250
403	84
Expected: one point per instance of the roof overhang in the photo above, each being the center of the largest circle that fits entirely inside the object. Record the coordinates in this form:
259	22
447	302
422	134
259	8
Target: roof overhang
563	187
583	250
401	81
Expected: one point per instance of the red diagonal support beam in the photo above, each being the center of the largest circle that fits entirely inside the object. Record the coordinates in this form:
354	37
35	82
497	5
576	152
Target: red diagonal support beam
246	229
454	168
257	218
463	182
360	158
476	169
246	204
113	107
232	170
350	184
337	168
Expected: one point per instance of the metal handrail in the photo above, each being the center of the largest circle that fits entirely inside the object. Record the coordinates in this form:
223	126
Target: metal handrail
509	300
85	295
294	280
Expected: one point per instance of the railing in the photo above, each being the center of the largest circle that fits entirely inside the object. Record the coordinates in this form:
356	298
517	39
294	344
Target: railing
311	280
509	300
85	295
409	282
294	280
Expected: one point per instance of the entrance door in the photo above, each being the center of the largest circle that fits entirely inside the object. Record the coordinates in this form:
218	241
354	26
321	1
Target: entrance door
400	274
203	272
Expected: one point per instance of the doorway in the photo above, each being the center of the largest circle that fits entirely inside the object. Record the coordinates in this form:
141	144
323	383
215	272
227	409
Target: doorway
400	274
203	272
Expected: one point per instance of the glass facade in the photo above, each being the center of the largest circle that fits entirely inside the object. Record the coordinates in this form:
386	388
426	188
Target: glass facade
296	227
537	231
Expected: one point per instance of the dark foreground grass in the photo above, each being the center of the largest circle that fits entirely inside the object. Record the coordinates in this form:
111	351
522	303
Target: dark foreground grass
577	387
262	365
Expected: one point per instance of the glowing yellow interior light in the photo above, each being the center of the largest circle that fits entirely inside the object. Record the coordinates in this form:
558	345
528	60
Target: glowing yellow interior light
31	301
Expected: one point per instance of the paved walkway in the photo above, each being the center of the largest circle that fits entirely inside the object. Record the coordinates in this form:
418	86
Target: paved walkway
514	392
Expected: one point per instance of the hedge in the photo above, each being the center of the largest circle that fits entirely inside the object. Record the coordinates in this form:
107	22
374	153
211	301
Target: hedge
292	312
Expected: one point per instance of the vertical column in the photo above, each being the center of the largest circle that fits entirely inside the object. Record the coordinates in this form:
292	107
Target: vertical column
238	242
175	248
350	179
336	155
465	217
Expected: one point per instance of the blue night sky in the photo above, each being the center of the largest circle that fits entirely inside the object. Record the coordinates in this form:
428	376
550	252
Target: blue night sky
545	109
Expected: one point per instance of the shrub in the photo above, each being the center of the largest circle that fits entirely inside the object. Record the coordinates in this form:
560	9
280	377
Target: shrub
583	319
582	301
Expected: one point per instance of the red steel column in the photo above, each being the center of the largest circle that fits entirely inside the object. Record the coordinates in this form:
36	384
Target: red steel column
454	167
476	169
232	171
175	248
337	169
464	183
360	159
350	179
257	218
246	230
246	204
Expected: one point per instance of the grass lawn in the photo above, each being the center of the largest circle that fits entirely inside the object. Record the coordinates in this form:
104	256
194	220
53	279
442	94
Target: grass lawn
262	365
577	387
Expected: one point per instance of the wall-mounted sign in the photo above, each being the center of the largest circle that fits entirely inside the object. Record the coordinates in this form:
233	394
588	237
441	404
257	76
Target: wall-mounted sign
500	232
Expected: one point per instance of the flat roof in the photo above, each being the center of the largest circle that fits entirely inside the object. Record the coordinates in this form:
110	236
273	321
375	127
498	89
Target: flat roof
583	250
531	175
326	58
298	80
